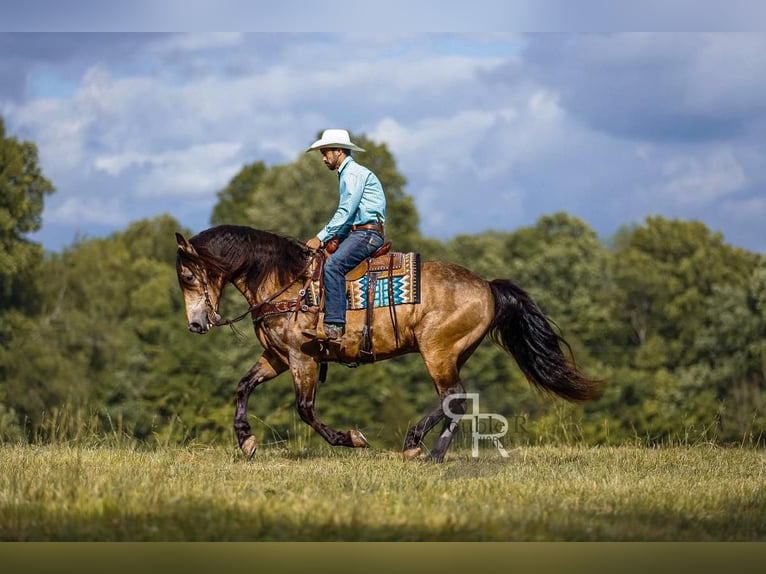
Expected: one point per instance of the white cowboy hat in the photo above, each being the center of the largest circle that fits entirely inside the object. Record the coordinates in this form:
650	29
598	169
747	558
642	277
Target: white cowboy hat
335	138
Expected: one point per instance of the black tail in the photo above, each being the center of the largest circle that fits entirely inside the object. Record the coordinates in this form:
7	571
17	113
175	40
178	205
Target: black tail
521	327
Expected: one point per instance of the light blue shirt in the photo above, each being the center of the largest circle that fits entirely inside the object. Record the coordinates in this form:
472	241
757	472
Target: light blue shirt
361	200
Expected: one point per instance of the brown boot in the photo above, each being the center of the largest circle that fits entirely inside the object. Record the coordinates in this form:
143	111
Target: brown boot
334	331
328	332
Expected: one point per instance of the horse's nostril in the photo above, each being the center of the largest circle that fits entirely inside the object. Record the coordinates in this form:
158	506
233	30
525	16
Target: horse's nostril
195	327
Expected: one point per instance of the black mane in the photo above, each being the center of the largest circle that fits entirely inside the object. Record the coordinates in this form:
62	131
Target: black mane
238	250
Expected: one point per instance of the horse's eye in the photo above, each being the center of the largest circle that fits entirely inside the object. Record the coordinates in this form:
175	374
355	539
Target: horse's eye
189	277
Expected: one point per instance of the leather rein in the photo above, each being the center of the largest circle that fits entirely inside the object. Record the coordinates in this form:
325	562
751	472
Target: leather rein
268	307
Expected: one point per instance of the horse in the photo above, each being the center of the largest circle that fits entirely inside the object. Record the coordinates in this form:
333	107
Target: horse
457	309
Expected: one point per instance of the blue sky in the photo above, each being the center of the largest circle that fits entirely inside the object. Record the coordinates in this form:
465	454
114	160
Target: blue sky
491	130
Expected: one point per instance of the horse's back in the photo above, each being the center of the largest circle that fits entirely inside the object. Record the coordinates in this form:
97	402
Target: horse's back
440	271
452	286
455	311
453	296
454	314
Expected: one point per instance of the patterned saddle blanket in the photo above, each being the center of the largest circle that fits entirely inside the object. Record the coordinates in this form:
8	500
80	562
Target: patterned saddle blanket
396	277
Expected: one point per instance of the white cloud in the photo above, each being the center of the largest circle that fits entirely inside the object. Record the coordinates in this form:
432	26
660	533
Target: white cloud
469	164
57	134
446	141
196	170
115	164
83	210
696	180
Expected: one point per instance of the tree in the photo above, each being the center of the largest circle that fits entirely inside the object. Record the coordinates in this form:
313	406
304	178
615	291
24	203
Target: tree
732	371
564	265
665	272
238	195
692	333
22	191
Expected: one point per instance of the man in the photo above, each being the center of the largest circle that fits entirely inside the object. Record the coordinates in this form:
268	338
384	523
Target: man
357	224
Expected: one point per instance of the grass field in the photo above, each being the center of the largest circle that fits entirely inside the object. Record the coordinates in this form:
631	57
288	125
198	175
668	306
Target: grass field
698	493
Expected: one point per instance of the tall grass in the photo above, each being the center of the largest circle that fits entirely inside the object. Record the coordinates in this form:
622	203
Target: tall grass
299	491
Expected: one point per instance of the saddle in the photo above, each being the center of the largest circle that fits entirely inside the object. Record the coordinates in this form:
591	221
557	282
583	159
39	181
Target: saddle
376	262
384	279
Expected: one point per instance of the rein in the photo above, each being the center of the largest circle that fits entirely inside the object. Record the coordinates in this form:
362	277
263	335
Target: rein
218	322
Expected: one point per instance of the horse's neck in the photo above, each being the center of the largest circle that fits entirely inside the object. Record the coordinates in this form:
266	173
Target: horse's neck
269	287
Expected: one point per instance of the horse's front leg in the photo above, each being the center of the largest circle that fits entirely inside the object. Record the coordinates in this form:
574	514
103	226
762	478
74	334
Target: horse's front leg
266	368
304	371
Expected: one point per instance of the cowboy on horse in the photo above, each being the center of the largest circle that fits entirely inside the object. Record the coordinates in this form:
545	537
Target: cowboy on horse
357	225
438	309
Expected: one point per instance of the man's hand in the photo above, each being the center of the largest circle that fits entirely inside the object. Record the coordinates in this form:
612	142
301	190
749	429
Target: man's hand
314	243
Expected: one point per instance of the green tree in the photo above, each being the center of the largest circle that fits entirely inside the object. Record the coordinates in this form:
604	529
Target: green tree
731	375
238	195
665	272
690	332
22	191
563	264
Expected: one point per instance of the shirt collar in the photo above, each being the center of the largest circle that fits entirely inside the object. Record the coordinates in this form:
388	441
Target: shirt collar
344	164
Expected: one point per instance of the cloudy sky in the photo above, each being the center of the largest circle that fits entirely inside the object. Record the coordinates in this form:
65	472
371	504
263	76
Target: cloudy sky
491	130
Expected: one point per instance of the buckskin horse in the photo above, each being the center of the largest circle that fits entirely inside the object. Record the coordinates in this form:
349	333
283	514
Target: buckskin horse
455	311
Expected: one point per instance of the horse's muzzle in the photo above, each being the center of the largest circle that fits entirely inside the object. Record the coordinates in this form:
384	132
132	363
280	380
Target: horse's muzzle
199	328
201	323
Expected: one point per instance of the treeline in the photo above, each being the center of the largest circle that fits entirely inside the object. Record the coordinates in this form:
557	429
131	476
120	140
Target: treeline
94	338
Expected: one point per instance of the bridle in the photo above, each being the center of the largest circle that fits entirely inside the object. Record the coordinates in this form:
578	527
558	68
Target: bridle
209	304
218	322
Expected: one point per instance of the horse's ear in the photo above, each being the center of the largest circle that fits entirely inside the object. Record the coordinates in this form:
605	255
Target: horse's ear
184	245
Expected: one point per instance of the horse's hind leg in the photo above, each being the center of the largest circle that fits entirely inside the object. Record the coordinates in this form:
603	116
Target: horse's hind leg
266	368
305	377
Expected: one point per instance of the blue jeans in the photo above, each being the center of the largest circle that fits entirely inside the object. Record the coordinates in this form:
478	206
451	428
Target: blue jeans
354	249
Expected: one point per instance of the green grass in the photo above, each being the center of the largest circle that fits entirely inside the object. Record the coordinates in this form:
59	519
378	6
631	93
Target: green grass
291	494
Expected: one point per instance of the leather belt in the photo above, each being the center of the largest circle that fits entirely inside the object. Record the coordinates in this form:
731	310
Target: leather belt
369	226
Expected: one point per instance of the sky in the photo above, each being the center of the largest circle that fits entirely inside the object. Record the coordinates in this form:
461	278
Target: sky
491	130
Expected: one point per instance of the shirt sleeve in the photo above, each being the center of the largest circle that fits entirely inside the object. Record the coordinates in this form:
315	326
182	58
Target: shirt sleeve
351	188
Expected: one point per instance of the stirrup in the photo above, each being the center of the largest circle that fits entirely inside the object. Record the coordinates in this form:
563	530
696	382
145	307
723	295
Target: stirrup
325	333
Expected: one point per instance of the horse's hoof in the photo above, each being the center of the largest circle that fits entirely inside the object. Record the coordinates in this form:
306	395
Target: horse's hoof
248	447
358	440
411	453
437	458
